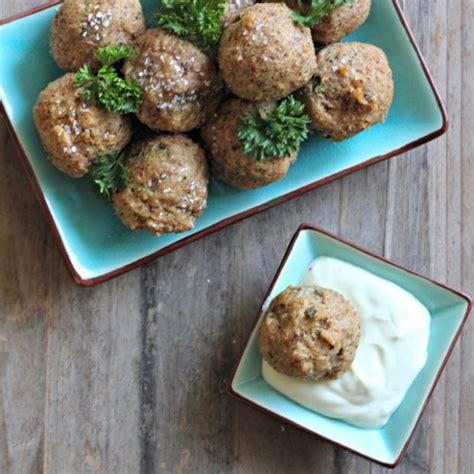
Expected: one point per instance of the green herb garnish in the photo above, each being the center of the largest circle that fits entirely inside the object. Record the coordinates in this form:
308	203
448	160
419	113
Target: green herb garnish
165	148
317	11
197	20
109	55
110	90
310	312
109	173
276	135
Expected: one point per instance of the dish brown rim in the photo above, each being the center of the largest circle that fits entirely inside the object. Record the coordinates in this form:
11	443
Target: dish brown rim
87	282
404	449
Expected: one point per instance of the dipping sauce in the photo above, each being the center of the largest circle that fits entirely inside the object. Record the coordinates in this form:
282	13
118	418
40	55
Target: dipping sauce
395	329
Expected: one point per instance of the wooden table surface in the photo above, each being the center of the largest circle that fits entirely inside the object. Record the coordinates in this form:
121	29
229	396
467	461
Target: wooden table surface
130	376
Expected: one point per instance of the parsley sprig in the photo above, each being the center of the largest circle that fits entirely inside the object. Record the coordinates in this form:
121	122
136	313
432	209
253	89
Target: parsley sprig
109	55
196	20
317	11
109	173
277	134
110	90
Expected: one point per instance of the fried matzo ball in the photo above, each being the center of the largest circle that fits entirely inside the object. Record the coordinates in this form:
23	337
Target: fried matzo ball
310	332
74	132
228	161
81	26
167	185
264	55
351	90
180	84
339	22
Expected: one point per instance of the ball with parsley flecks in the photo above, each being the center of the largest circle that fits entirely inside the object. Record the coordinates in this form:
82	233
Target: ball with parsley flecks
252	145
166	188
329	20
76	132
81	26
180	84
264	54
310	332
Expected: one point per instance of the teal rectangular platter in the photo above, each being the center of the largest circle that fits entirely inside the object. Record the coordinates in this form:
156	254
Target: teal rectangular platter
94	243
448	308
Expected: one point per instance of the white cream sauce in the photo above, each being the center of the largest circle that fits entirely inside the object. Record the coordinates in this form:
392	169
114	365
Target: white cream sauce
395	329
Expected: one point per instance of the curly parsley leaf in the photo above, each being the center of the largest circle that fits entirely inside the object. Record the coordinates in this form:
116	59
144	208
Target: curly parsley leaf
109	173
85	77
276	135
196	20
113	54
116	94
316	11
110	91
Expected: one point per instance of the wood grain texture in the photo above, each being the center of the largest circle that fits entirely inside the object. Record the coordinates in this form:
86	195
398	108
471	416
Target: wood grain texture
130	376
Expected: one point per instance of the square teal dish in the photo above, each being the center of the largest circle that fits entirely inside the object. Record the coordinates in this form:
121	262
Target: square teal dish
448	309
94	243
